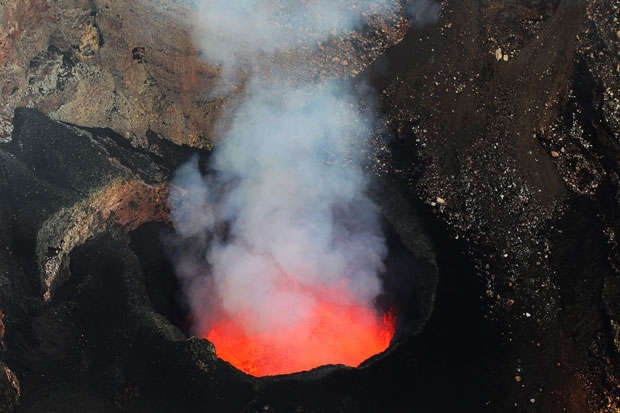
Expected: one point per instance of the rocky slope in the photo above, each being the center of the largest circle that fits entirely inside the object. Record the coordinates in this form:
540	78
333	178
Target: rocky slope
507	115
106	64
135	69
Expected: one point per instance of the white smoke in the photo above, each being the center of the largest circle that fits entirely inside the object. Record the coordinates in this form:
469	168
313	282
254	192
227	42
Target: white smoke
242	29
283	200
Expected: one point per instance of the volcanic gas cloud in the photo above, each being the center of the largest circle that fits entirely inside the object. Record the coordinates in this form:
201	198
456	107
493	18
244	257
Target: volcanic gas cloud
279	249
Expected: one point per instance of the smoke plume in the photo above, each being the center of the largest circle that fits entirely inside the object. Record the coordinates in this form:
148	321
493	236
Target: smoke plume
233	30
282	202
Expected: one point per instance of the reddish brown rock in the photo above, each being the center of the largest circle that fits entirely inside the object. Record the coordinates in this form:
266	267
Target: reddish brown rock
106	64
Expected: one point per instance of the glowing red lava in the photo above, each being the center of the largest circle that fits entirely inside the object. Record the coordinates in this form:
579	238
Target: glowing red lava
337	334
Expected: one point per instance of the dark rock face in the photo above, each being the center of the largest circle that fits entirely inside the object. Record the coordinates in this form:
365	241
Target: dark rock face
505	123
85	324
505	126
71	283
94	319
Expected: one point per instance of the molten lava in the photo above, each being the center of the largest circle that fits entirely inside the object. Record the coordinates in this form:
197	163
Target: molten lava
335	333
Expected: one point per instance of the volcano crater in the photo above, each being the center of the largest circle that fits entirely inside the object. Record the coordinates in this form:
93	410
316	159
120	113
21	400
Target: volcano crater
102	299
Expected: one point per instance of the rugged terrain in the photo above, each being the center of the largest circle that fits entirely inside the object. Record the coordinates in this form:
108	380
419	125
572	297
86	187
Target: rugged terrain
501	127
509	110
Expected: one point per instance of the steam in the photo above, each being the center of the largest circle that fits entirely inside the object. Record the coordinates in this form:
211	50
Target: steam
230	30
282	201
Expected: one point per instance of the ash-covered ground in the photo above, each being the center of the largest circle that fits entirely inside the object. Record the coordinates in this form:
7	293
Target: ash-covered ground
504	115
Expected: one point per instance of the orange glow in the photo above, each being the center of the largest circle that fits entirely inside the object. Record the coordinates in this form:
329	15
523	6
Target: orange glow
336	334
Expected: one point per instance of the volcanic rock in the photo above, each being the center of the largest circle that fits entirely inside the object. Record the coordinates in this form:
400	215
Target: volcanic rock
540	227
88	288
476	108
75	298
135	69
106	64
